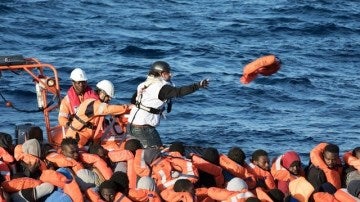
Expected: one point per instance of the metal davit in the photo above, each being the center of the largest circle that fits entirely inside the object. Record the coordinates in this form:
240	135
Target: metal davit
46	83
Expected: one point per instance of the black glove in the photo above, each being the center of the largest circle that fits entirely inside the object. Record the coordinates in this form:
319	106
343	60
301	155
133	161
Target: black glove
204	83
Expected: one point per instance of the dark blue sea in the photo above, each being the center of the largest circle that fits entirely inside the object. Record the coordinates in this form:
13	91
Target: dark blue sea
313	98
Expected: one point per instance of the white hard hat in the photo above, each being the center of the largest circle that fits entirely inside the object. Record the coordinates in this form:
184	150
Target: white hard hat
106	86
78	75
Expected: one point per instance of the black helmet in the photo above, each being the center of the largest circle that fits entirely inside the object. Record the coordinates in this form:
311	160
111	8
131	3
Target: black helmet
158	67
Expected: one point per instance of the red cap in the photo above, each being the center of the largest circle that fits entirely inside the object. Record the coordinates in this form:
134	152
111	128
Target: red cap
289	158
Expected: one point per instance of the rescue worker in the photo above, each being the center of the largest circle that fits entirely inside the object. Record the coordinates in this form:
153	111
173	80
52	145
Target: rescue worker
91	112
150	99
78	92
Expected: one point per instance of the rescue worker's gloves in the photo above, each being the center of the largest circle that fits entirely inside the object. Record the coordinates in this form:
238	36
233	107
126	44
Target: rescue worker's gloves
204	83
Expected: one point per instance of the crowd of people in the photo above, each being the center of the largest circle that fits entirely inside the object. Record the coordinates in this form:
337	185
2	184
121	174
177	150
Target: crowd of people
139	168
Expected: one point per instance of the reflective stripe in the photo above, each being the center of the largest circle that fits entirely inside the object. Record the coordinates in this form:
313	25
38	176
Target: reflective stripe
101	108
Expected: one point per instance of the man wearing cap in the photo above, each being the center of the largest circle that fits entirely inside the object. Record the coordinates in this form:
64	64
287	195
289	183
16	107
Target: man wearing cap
150	100
78	92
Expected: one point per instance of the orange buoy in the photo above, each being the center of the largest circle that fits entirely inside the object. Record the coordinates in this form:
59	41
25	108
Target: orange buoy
265	65
9	104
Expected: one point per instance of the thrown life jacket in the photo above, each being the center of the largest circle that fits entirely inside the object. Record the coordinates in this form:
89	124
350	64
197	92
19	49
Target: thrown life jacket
333	176
209	168
265	65
220	194
128	157
351	160
237	170
262	174
70	187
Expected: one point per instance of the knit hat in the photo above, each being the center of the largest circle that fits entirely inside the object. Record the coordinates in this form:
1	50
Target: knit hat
146	183
236	184
32	147
289	158
354	188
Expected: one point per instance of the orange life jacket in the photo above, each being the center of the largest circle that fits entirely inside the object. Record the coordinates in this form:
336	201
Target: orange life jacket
343	195
128	157
142	195
183	167
220	194
237	170
97	162
5	170
84	124
5	156
209	168
324	196
262	195
15	185
351	160
262	174
28	158
202	195
279	172
59	160
120	197
70	187
333	176
171	196
301	189
71	102
265	65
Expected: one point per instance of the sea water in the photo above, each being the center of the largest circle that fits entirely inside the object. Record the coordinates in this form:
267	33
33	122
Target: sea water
313	98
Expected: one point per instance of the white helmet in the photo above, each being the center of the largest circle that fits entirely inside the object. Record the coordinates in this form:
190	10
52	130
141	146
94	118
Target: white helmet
78	75
106	86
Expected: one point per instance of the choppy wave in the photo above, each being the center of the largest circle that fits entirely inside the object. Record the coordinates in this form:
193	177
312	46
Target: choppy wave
314	97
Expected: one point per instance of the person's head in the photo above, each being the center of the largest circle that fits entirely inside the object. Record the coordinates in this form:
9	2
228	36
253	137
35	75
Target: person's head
98	150
70	148
260	158
146	183
105	90
236	184
252	199
6	142
211	155
160	69
291	161
133	145
107	190
184	185
79	80
122	181
276	195
236	154
331	155
177	147
35	132
356	152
